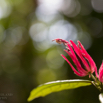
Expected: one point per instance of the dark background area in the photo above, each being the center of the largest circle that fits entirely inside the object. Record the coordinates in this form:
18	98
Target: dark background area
28	57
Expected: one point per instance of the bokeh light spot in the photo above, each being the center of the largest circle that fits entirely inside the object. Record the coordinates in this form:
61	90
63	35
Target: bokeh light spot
5	8
38	32
62	29
54	60
97	5
71	8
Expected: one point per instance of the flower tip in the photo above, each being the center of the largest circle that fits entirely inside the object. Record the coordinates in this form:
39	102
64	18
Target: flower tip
102	64
70	40
55	39
61	54
78	41
58	40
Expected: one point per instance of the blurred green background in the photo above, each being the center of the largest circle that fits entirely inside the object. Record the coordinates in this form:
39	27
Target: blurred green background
28	57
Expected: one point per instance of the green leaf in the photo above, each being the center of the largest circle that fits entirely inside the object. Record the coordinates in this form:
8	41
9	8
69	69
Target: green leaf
56	86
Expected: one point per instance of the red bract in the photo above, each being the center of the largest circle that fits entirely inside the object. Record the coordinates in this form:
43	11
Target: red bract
101	73
83	61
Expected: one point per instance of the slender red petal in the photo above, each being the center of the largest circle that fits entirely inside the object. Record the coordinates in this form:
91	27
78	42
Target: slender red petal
72	57
80	55
101	67
77	73
92	63
76	62
101	73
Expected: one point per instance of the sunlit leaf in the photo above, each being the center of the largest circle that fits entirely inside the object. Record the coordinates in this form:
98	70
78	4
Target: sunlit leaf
56	86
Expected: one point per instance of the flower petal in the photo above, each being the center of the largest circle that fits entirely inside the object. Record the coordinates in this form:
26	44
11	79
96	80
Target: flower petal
77	73
92	63
101	73
80	55
76	62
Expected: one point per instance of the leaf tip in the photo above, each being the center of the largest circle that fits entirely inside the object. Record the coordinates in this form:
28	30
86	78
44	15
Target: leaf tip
29	99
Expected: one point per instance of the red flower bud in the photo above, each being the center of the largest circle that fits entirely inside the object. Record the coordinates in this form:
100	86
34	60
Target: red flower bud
83	61
101	73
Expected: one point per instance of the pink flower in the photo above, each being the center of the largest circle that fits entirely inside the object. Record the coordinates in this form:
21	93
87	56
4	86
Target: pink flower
101	73
83	61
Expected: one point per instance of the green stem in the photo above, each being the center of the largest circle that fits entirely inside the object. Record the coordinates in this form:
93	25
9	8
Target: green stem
96	83
93	77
